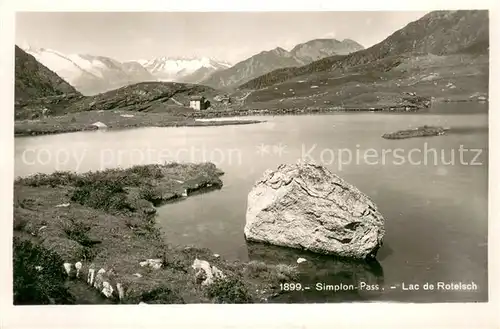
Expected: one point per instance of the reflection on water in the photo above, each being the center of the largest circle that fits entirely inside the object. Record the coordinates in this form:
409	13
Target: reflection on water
453	108
350	280
464	130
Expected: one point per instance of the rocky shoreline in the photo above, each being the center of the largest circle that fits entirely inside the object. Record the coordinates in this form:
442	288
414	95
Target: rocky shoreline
99	228
301	110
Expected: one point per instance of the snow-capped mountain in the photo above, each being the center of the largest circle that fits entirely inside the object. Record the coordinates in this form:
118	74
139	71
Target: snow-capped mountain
91	74
192	70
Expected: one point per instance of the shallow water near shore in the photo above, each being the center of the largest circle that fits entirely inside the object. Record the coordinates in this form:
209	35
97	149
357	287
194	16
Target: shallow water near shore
435	211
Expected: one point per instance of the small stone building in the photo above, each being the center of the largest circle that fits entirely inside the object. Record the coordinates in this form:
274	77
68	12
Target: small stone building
199	103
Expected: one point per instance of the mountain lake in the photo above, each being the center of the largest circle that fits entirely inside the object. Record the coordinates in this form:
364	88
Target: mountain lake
436	211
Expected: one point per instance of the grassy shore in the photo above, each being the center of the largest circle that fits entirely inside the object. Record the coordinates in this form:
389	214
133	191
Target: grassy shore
106	219
82	121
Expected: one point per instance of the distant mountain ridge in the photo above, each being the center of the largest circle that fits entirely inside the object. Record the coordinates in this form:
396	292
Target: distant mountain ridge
267	61
313	50
182	69
91	74
256	65
34	80
39	92
439	33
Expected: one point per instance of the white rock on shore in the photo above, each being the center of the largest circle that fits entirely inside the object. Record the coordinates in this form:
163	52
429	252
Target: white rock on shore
67	268
100	125
209	273
78	266
153	263
306	206
107	289
62	205
99	278
121	291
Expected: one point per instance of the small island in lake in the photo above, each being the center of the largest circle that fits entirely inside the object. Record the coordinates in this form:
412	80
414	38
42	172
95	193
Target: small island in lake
423	131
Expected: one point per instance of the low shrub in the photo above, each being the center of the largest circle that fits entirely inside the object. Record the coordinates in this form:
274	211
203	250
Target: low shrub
103	195
230	290
176	260
20	223
255	268
54	179
78	232
285	272
274	274
151	194
148	171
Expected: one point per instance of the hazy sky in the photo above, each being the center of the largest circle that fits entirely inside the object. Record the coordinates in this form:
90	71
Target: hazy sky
226	36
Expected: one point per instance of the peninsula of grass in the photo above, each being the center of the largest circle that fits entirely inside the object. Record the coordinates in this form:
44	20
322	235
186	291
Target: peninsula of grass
106	219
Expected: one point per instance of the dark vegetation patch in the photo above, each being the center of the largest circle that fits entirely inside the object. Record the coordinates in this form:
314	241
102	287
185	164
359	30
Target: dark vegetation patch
35	285
274	274
230	290
161	295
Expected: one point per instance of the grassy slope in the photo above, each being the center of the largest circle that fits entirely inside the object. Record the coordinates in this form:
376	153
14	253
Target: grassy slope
109	223
261	63
267	61
140	97
439	32
151	104
144	96
443	55
384	83
33	80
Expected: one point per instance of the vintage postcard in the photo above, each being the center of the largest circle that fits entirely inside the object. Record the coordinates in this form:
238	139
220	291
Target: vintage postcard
250	157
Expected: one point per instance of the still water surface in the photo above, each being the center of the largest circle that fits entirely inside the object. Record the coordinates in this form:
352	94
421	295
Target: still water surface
435	210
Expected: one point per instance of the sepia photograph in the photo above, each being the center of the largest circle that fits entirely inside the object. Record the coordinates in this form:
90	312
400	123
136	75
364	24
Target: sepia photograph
250	157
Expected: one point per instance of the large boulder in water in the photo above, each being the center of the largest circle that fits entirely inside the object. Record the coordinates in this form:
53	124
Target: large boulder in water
308	207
